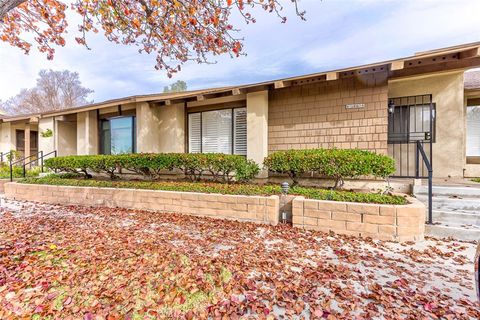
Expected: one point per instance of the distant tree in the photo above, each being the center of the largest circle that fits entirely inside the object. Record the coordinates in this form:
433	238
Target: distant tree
55	90
178	86
175	30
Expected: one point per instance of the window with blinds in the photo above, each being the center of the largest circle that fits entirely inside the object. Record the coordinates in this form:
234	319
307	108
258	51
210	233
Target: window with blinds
218	131
240	131
473	131
195	132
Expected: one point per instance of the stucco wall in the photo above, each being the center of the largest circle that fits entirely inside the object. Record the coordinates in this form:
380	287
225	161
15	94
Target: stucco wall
314	115
46	144
6	138
66	139
87	133
447	94
8	135
257	127
160	128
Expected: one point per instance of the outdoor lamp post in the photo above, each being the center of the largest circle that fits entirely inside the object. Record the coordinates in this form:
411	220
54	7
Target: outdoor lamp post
285	187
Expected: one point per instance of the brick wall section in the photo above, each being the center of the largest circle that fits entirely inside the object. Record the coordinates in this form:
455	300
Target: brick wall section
383	222
314	115
2	184
243	208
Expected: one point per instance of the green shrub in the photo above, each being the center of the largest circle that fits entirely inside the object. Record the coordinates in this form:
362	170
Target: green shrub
222	167
336	164
291	162
148	165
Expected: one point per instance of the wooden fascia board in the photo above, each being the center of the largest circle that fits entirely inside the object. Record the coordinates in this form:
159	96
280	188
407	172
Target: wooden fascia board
471	53
437	67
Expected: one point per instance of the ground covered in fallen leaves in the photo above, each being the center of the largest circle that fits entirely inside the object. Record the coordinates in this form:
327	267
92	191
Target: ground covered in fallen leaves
67	262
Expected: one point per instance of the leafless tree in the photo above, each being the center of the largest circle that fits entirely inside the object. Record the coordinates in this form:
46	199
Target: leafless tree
55	90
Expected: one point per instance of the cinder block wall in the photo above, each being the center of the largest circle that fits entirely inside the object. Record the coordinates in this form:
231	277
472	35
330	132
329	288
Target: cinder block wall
314	115
378	221
236	207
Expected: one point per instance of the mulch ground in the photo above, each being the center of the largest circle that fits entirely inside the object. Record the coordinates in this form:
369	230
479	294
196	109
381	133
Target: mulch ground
68	262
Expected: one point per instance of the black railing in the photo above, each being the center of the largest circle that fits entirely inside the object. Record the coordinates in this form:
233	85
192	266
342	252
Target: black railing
426	162
5	155
37	157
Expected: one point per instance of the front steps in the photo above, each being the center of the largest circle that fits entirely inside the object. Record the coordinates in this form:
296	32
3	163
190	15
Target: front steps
456	211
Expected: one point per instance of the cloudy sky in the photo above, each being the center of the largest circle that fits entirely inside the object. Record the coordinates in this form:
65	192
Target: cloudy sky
337	33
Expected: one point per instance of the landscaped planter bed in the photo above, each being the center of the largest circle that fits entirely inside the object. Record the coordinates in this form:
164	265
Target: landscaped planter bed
219	188
261	209
378	221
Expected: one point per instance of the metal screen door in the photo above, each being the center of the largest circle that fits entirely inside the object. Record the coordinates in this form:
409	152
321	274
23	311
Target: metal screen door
411	120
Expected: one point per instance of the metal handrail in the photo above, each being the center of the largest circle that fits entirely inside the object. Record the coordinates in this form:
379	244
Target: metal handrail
426	161
42	156
4	154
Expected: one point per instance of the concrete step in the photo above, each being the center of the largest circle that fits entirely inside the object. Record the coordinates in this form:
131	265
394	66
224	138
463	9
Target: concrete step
445	203
446	191
457	218
446	231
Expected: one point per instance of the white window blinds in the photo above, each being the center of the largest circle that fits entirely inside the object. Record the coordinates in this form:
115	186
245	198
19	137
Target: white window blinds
240	131
194	132
473	131
218	131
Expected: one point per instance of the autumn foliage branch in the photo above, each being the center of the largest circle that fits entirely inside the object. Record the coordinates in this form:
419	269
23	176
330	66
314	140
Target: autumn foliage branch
176	31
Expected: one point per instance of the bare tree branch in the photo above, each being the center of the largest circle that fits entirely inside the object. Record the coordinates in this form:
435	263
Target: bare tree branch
7	5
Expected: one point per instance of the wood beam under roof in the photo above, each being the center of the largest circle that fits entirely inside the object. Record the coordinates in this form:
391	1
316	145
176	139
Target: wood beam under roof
282	84
333	76
397	65
237	91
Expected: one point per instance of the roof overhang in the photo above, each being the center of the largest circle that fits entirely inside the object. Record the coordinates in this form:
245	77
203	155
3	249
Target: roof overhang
460	57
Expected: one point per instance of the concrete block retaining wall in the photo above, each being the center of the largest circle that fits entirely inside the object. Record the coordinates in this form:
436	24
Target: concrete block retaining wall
243	208
384	222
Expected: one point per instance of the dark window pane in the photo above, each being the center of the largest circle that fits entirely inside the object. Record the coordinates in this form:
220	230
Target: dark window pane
121	135
118	135
105	137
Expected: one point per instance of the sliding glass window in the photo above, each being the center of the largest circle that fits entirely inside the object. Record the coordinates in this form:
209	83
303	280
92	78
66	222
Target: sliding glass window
117	135
218	131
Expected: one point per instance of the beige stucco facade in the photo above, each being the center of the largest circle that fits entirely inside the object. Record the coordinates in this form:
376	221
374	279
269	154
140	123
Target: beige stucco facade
448	95
87	133
8	136
257	125
46	144
160	128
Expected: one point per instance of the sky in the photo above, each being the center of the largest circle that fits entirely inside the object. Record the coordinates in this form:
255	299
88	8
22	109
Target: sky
337	33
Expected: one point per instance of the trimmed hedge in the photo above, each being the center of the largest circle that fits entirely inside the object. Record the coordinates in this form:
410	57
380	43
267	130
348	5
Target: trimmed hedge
218	188
222	167
336	164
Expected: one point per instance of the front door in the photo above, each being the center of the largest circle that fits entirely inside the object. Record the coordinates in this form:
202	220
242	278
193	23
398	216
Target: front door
411	120
20	142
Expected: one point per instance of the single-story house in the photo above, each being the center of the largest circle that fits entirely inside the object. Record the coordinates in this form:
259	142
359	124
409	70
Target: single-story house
429	98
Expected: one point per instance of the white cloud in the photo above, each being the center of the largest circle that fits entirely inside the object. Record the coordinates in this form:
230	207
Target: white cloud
336	33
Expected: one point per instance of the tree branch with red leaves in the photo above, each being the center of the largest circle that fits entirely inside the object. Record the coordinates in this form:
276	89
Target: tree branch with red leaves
176	31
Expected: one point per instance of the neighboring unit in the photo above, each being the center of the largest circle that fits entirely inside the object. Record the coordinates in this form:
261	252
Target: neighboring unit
391	107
